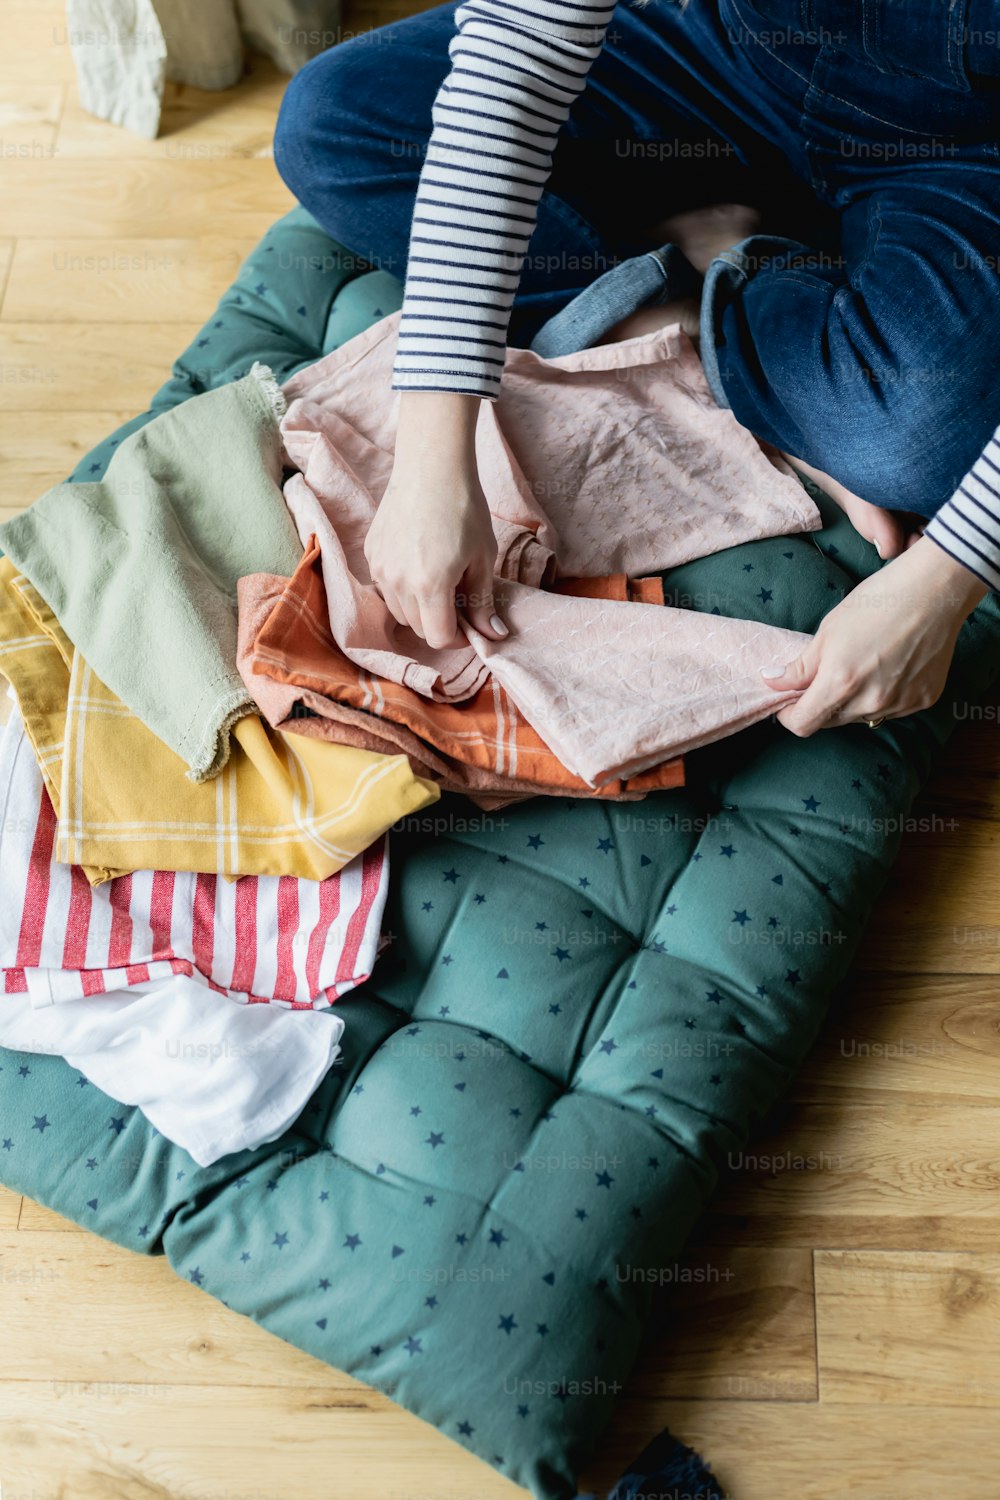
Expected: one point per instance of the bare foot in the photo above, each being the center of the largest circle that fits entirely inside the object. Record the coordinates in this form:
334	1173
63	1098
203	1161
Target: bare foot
890	532
704	233
684	311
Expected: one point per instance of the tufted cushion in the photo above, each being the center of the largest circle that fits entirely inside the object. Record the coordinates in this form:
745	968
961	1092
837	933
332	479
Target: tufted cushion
585	1007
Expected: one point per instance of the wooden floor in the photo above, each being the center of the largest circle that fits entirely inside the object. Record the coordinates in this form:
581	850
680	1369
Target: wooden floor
837	1330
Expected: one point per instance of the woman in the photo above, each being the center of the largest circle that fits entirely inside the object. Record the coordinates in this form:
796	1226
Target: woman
859	340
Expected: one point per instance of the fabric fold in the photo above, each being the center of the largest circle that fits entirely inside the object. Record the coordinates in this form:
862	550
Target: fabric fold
297	943
614	688
125	983
589	694
284	805
483	746
140	568
611	460
213	1077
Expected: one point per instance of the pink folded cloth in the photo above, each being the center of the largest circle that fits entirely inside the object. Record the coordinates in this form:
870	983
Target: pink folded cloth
482	746
614	688
612	460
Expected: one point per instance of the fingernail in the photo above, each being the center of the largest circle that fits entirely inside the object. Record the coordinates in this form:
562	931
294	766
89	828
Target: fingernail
772	671
498	625
875	544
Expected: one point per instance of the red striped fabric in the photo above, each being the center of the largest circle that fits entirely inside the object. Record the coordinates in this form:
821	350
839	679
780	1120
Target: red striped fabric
329	909
29	947
245	965
60	938
371	876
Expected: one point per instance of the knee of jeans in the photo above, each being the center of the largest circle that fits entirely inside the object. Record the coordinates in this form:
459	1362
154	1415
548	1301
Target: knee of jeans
903	454
323	107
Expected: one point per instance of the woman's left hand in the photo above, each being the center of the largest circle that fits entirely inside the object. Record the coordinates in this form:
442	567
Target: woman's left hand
885	650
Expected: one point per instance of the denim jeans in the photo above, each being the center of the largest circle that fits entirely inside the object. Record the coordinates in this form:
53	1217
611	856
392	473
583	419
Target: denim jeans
859	329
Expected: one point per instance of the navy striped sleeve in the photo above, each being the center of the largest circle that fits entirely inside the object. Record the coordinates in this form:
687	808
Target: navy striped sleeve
516	69
967	526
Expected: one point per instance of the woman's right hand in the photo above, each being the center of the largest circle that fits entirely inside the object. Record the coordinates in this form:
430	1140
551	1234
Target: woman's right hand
432	536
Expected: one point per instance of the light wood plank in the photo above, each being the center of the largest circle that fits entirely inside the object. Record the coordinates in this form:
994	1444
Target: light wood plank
916	1034
29	119
10	1206
908	1329
900	1136
908	1174
133	1312
34	1217
63	366
940	913
39	449
167	198
36	46
273	1442
764	1451
6	256
941	909
196	126
736	1323
120	280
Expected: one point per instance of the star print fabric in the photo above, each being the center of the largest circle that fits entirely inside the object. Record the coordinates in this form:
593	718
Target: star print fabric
584	1011
213	1078
136	983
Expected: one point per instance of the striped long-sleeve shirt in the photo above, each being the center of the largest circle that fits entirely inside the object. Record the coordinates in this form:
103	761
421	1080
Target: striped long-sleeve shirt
968	525
516	68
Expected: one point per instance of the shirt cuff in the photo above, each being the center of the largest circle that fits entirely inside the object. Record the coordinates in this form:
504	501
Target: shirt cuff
967	526
459	382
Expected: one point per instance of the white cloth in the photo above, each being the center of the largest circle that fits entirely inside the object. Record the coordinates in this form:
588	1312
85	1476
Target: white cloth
120	57
212	1076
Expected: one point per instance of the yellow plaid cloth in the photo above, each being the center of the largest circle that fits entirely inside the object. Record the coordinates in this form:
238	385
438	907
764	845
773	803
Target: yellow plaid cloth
283	805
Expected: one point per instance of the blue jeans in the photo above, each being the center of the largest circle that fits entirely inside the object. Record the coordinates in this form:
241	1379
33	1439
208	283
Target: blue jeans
860	329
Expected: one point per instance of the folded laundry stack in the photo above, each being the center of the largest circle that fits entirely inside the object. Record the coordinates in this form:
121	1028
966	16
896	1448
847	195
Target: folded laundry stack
482	746
218	722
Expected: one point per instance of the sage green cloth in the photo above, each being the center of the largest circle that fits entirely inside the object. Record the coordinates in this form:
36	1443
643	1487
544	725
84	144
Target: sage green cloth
140	568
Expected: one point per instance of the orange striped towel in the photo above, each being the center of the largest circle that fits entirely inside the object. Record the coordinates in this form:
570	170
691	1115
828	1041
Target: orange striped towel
482	746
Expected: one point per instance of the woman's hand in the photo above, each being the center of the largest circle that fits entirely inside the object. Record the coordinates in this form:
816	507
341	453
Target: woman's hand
432	536
885	651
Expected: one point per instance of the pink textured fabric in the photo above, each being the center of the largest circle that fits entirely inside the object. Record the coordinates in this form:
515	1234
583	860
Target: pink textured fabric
482	746
612	460
614	688
615	459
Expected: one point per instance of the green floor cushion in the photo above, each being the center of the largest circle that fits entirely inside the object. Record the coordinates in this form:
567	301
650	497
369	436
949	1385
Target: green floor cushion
584	1009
